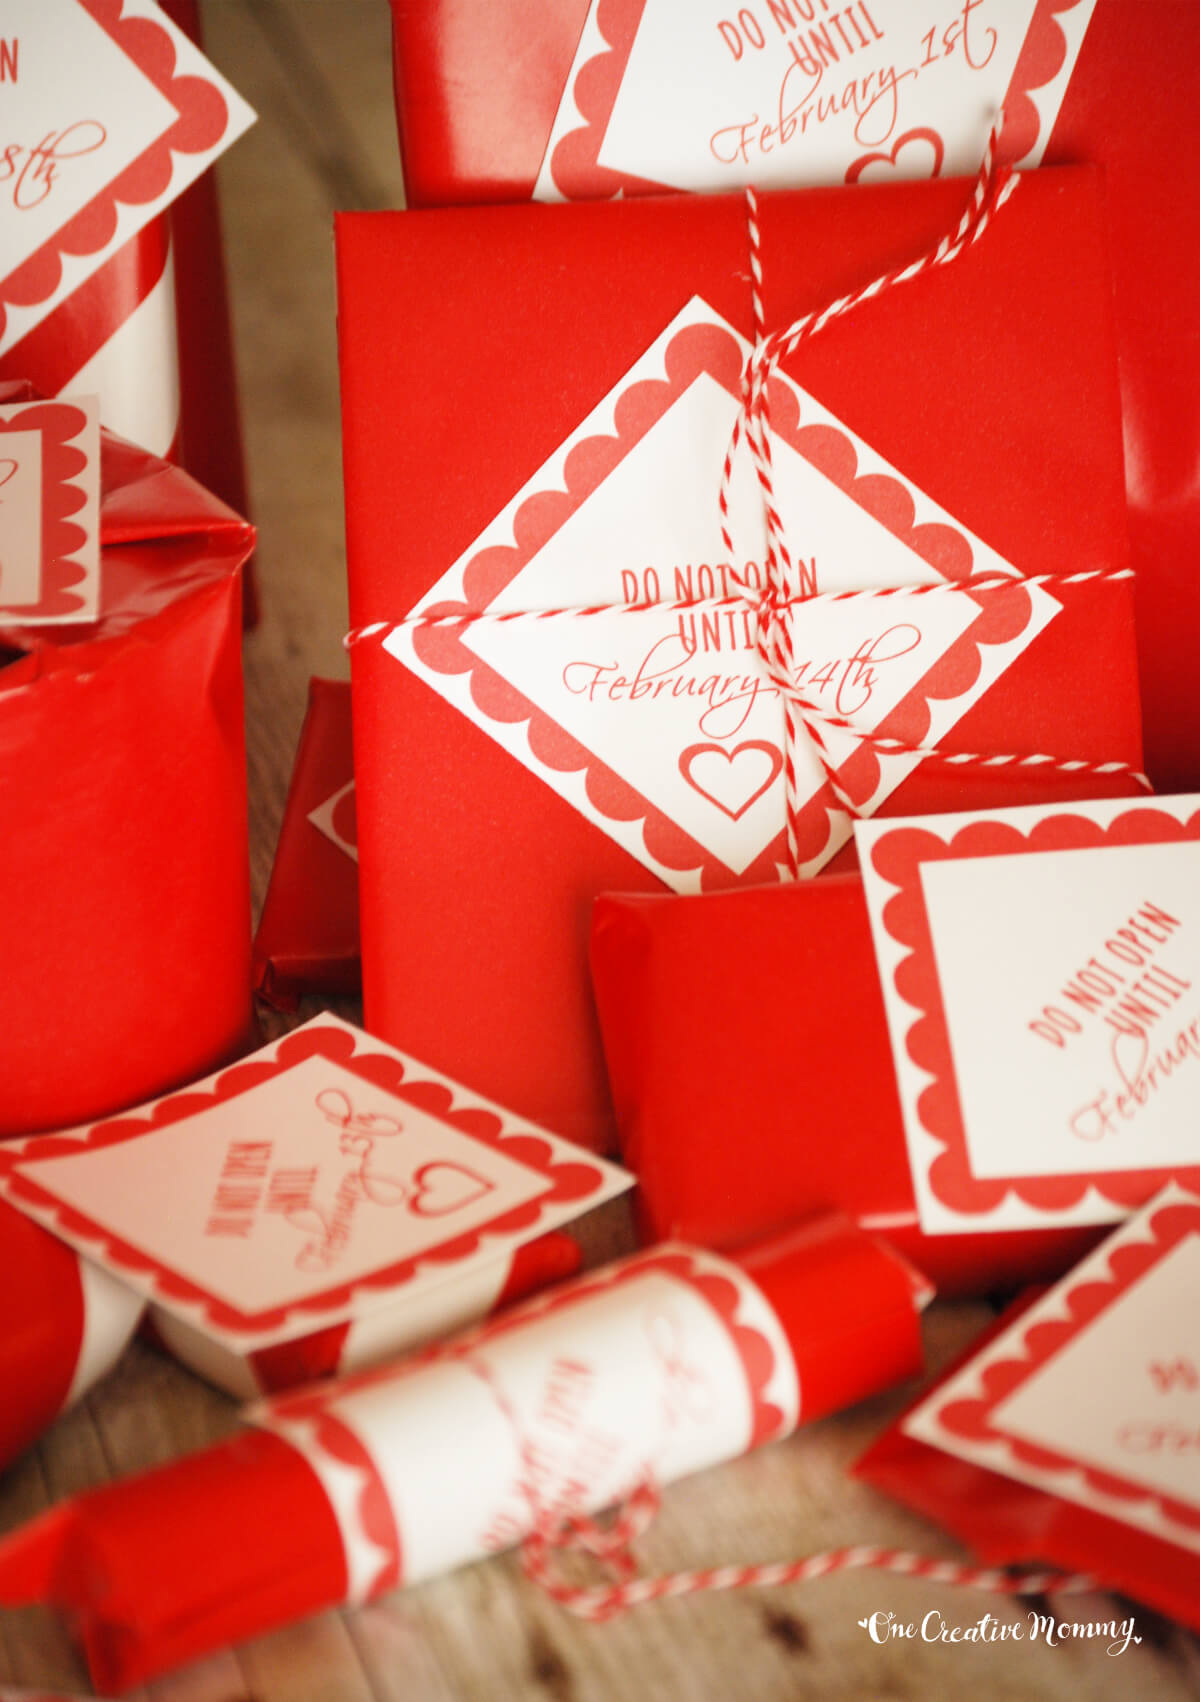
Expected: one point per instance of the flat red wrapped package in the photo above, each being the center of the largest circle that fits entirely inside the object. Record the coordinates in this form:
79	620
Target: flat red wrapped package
835	1043
307	940
649	1369
123	767
509	769
1066	1433
624	95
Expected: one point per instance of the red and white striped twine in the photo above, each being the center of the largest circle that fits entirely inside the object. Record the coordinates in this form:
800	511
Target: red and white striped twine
609	1545
774	604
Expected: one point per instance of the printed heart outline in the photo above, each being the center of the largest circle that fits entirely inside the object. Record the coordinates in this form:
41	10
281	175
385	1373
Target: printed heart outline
423	1188
921	134
689	756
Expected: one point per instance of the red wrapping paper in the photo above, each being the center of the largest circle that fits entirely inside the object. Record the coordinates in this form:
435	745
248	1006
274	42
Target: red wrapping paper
307	940
233	1541
468	134
63	1324
475	877
123	766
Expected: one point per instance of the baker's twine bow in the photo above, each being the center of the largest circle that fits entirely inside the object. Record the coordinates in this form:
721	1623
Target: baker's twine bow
773	605
608	1544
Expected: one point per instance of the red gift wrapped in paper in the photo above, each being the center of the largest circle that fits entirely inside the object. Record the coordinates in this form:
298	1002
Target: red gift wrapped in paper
63	1324
307	940
498	792
123	766
1067	1432
627	95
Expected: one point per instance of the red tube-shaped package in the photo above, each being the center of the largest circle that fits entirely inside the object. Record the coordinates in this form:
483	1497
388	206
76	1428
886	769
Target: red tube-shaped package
63	1324
661	1364
307	941
122	767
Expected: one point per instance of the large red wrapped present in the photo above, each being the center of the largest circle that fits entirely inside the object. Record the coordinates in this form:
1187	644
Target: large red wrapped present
307	940
122	762
946	1061
598	96
508	768
1069	1432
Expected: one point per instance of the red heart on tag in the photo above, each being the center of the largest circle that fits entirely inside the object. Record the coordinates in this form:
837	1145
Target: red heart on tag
441	1188
725	776
866	161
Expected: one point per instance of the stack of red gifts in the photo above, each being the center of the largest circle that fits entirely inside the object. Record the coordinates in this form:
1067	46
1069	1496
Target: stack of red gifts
746	772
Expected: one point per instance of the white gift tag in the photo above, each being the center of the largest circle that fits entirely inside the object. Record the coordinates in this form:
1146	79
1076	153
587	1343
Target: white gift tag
110	112
49	511
659	724
325	1178
784	93
1041	976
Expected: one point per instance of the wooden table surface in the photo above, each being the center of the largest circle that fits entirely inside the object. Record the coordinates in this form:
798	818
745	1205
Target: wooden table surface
318	73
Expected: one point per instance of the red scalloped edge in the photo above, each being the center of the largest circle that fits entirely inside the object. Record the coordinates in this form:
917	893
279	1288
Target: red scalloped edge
1039	62
897	858
334	1435
575	164
713	350
573	1180
202	118
1043	1339
58	423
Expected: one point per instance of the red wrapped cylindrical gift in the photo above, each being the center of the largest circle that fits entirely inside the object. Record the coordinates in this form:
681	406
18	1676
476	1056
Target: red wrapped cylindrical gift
123	768
307	940
663	1364
63	1324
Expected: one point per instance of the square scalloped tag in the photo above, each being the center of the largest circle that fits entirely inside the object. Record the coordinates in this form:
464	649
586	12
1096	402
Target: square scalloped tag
324	1178
50	511
1093	1394
110	113
659	724
783	93
1041	977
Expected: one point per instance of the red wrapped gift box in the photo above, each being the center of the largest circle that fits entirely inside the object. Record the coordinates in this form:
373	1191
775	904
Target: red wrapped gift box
307	941
1063	1434
122	760
462	371
469	134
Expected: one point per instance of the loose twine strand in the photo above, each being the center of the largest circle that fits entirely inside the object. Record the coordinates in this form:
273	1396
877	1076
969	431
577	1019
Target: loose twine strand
773	607
556	1534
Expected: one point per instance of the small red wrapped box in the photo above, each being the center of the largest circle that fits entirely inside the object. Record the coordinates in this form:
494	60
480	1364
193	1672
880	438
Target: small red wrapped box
1067	1434
925	1045
122	761
497	795
601	96
307	940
